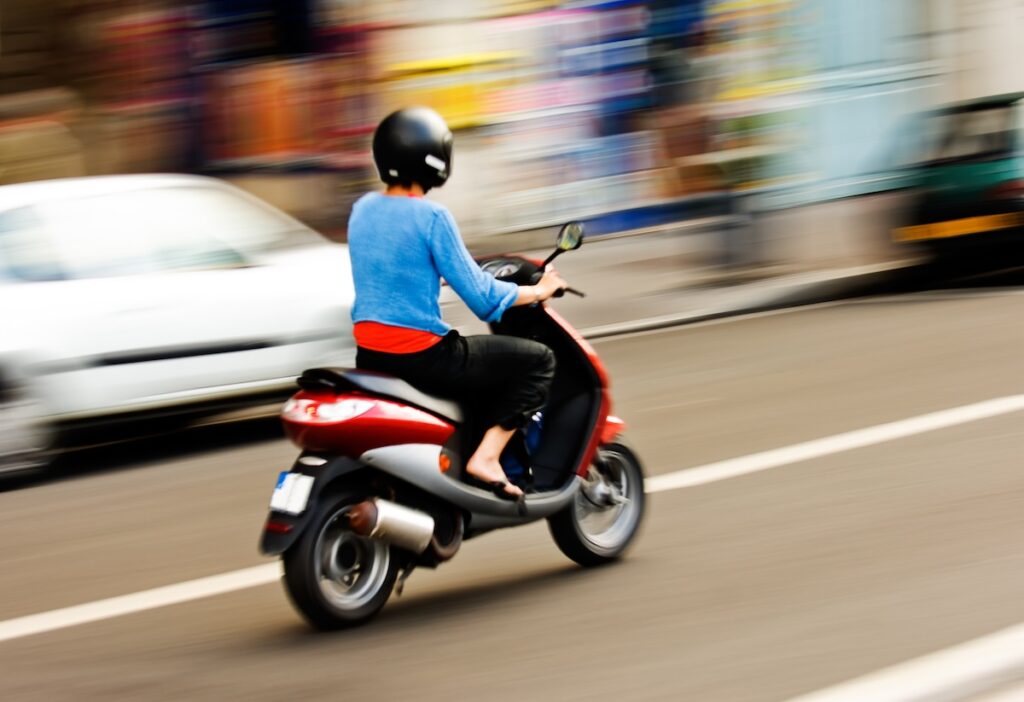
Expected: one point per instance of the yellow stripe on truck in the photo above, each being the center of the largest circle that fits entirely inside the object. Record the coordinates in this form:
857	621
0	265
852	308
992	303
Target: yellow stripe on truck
959	227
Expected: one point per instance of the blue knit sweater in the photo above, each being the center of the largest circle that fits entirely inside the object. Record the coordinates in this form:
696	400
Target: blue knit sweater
400	248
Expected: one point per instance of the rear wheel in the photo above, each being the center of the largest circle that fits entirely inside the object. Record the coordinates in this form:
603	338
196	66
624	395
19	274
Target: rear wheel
336	578
24	436
604	517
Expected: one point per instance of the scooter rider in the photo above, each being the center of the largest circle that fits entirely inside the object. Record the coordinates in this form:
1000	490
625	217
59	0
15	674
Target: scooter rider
401	245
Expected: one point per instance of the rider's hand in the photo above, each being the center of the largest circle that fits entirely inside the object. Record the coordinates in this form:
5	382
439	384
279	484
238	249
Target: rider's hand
550	283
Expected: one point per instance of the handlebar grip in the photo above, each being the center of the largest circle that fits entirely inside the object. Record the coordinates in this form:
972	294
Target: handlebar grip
562	291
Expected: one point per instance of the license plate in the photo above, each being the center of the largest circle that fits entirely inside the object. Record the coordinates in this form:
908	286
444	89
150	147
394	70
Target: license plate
959	227
291	494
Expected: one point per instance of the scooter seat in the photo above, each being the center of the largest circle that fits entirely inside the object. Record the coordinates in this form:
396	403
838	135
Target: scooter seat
340	379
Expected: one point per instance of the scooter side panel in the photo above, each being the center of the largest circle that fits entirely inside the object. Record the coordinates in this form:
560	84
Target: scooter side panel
601	376
419	465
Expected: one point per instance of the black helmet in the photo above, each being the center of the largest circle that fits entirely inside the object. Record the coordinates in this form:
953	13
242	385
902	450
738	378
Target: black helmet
413	145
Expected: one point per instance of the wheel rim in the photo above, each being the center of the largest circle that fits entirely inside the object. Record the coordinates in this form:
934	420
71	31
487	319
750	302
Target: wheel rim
608	507
350	569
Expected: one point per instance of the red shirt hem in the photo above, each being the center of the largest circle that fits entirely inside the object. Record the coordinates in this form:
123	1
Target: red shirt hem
391	339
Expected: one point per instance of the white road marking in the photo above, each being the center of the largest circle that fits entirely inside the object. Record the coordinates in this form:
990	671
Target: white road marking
689	477
950	674
139	601
1015	693
837	443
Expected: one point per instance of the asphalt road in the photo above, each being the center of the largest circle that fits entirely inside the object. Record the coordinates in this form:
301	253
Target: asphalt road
759	587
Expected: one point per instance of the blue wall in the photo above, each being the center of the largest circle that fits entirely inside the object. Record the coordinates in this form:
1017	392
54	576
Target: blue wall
869	77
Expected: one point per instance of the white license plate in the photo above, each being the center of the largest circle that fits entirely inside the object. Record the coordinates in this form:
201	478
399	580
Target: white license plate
291	494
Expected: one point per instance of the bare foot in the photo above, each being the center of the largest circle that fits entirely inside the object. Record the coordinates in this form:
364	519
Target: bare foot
490	471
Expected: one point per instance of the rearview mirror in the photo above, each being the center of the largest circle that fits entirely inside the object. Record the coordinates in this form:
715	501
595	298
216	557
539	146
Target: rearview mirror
570	236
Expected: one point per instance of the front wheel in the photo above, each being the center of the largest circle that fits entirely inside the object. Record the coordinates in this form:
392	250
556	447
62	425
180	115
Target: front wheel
336	578
604	517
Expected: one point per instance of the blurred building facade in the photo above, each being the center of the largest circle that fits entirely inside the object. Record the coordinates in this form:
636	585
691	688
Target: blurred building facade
583	108
979	45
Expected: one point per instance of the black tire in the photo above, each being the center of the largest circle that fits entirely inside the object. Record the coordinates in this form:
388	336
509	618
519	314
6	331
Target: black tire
616	465
25	439
326	600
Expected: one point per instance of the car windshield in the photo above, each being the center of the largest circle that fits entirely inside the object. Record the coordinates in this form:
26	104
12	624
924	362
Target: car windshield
27	253
140	231
987	131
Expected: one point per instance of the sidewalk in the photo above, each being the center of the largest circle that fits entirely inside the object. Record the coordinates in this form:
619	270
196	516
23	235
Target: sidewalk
661	280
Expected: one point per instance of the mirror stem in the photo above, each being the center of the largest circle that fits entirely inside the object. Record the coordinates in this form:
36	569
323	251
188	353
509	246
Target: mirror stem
554	254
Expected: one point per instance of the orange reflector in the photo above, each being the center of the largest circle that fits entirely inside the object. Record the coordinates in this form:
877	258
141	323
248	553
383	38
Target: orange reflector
444	462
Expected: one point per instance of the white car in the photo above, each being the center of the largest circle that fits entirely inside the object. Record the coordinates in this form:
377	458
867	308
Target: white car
129	298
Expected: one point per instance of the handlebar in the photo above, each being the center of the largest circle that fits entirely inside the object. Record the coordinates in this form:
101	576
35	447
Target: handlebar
537	273
562	291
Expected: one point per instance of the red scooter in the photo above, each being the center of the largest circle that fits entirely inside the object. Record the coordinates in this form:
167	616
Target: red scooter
378	489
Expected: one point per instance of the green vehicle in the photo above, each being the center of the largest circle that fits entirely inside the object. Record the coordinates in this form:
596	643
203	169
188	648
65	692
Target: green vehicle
971	181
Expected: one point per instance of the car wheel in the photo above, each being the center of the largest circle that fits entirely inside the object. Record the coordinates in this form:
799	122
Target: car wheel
25	438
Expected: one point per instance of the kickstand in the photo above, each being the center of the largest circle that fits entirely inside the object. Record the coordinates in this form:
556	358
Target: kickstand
402	577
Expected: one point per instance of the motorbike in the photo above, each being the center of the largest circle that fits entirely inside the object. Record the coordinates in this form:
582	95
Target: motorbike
379	487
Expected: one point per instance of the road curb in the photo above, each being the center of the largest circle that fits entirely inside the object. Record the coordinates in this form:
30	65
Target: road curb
795	290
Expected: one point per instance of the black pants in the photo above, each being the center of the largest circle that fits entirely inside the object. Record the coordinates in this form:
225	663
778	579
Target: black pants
500	380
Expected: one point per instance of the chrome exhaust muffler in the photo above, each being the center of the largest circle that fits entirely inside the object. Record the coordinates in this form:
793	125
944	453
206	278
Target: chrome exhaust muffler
406	528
